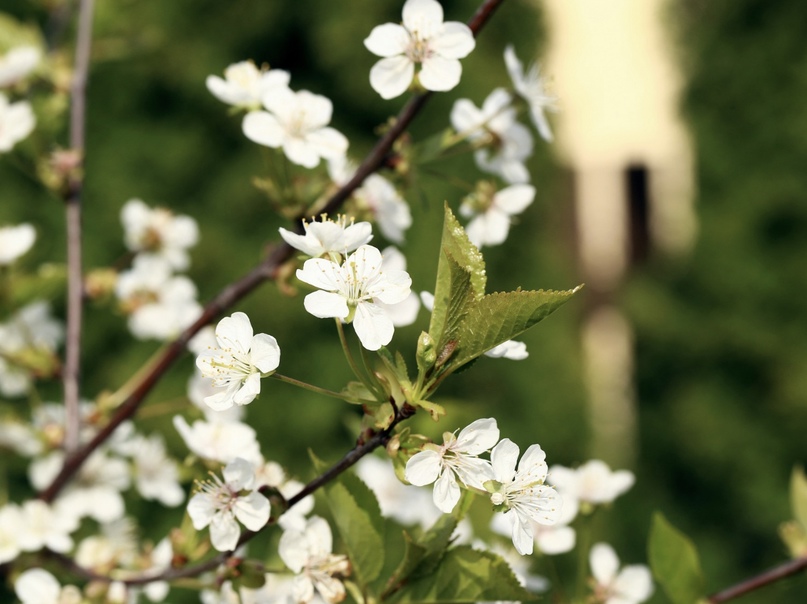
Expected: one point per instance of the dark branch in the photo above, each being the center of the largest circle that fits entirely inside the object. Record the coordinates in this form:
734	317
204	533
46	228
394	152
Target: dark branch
767	578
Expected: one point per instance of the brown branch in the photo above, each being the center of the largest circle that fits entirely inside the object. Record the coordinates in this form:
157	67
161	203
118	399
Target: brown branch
265	271
75	277
767	578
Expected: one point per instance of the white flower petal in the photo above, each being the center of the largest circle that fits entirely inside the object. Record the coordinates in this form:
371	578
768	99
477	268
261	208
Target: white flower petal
446	492
440	73
422	16
252	510
262	128
391	77
455	41
478	436
325	305
423	468
604	563
387	40
201	510
635	582
514	199
328	143
373	326
264	352
503	458
224	532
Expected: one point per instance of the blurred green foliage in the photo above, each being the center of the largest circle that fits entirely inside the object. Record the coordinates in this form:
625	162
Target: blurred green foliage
720	335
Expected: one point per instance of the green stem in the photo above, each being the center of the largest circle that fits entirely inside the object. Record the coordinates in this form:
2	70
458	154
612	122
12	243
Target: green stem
351	361
317	389
583	545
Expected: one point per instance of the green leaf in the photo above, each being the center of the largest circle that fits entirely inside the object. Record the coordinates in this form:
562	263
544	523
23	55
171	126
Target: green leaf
674	561
465	575
499	317
798	495
358	519
460	273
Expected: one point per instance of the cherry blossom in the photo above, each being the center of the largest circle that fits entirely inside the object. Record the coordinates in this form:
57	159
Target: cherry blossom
156	476
308	553
17	121
423	39
351	292
10	521
491	212
219	441
38	586
632	585
297	122
456	459
17	63
15	241
506	144
219	503
520	493
592	483
404	313
329	237
529	85
238	363
244	85
160	232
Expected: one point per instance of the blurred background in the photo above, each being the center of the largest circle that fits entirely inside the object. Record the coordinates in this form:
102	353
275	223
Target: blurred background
675	190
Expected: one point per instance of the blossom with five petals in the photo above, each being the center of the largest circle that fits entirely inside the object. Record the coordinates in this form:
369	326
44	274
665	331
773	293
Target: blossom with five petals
220	502
297	122
423	39
529	85
244	84
491	212
456	458
592	483
329	236
520	493
632	585
239	362
158	232
351	291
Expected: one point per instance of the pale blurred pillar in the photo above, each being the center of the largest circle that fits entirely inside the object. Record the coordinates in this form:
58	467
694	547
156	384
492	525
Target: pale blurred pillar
612	65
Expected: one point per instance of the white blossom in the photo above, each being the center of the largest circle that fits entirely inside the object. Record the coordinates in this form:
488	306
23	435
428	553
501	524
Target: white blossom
219	441
351	291
297	122
491	212
592	483
220	503
329	236
506	144
521	493
10	522
156	475
529	85
159	232
38	586
17	63
42	525
405	312
510	349
160	305
15	241
17	121
423	39
244	85
238	363
308	553
457	458
632	585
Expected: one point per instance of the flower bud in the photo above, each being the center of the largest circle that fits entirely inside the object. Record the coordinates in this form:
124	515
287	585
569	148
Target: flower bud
426	352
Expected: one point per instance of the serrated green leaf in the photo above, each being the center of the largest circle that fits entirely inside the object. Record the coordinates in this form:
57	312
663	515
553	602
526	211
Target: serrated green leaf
798	495
460	274
465	575
435	542
357	517
499	317
674	561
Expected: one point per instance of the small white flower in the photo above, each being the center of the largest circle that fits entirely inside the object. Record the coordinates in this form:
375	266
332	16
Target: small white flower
521	493
423	39
298	123
38	586
160	305
220	502
456	458
15	241
17	121
18	63
404	313
593	482
10	522
491	213
219	441
529	85
244	84
632	585
506	143
329	236
351	292
156	475
160	232
44	526
511	349
308	553
239	362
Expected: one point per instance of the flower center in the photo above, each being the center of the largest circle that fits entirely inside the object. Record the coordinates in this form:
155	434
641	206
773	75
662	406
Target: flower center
419	49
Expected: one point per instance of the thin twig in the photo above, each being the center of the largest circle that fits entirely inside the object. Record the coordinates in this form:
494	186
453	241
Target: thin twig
767	578
267	270
75	277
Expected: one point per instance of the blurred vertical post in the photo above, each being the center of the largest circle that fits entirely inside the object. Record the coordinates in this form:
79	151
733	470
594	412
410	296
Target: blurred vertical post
612	66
